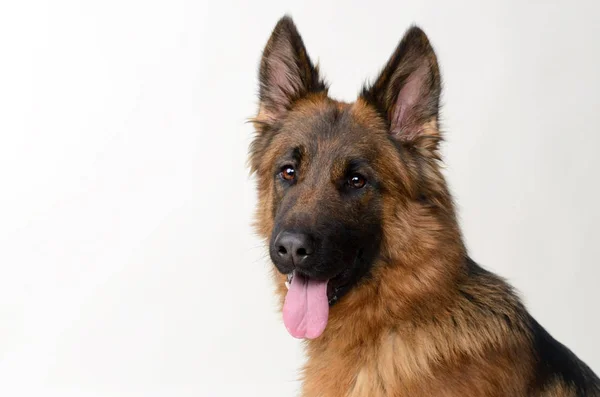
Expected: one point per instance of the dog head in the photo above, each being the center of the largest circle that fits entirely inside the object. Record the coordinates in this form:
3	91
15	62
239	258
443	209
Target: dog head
343	186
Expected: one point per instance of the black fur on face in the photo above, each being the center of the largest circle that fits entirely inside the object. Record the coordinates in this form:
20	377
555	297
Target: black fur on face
332	199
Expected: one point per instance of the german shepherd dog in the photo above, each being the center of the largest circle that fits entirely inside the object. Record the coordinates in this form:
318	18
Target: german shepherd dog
362	230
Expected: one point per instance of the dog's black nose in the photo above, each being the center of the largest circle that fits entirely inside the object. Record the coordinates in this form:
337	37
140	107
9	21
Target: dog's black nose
293	248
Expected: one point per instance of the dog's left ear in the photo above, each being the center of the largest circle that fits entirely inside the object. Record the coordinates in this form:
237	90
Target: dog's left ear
407	92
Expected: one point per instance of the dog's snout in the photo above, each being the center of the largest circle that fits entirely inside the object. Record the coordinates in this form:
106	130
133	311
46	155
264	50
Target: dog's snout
293	248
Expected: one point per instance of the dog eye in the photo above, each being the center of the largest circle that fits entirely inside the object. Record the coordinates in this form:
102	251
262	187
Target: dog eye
357	181
288	173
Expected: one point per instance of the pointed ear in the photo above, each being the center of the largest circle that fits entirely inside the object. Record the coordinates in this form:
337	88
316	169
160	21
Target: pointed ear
286	72
407	91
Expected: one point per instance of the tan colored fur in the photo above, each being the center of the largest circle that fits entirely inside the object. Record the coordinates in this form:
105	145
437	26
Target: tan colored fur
420	325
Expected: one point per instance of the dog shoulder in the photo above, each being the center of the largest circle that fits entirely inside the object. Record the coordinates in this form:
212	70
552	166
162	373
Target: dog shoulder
558	370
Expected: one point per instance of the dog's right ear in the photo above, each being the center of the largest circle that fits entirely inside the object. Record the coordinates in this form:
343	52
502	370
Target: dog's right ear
286	73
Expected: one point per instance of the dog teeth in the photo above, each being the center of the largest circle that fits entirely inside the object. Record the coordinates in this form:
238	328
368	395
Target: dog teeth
290	276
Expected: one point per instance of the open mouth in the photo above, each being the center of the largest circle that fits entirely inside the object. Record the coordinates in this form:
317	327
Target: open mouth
335	286
307	302
306	305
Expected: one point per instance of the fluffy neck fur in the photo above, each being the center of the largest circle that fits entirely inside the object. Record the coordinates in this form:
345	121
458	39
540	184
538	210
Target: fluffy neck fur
416	322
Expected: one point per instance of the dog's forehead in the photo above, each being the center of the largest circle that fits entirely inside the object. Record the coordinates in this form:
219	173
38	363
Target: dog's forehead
335	129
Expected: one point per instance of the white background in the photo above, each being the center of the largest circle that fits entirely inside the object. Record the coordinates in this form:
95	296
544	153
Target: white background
127	263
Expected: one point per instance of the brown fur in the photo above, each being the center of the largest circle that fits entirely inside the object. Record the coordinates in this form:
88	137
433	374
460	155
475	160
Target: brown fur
425	322
411	320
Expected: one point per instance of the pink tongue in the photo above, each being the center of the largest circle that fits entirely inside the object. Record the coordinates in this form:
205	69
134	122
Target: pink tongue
306	307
